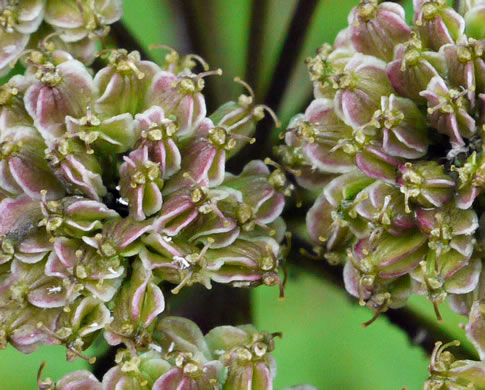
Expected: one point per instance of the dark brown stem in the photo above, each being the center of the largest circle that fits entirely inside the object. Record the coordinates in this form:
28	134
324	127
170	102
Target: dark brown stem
259	13
290	52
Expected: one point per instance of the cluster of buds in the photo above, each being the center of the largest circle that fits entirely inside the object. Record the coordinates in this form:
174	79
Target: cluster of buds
181	357
76	24
113	184
393	140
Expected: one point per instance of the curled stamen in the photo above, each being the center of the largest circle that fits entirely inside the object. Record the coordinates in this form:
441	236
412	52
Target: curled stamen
439	348
166	47
105	52
245	85
200	60
46	45
273	163
264	107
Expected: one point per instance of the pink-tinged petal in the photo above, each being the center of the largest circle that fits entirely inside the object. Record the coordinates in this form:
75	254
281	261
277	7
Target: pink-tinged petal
189	109
355	107
154	304
466	279
412	80
106	291
426	219
186	335
346	186
240	377
229	274
13	43
152	199
173	159
144	120
79	380
466	196
217	169
171	380
162	245
19	215
319	219
393	249
405	265
46	105
54	267
262	378
180	222
65	250
475	329
7	182
318	110
326	160
256	168
271	209
88	182
36	242
451	263
466	223
49	295
34	179
89	209
351	279
375	167
197	161
173	206
437	196
30	258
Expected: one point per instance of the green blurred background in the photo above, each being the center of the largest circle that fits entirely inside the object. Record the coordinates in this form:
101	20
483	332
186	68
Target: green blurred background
323	341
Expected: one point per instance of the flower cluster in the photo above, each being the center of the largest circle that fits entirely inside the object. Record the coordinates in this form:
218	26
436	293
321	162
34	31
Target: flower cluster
75	23
393	140
227	357
114	184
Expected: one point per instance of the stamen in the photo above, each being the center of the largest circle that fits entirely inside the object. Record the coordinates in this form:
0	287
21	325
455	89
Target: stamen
200	60
182	284
374	317
46	45
216	72
166	47
245	85
264	107
89	359
43	384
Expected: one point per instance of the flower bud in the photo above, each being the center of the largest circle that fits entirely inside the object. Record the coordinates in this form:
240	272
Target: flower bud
377	28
